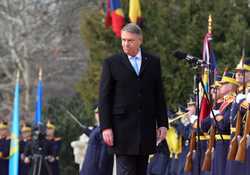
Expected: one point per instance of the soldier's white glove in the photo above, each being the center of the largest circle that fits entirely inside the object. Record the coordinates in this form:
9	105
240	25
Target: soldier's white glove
26	160
248	98
51	158
193	118
216	112
239	97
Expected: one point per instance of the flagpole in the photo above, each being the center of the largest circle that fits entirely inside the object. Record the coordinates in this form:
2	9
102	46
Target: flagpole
40	74
14	145
210	20
38	112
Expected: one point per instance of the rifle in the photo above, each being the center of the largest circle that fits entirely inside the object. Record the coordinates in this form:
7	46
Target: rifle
234	142
206	166
241	153
188	163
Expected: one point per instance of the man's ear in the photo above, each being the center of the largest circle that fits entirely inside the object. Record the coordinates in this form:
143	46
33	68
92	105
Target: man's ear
141	40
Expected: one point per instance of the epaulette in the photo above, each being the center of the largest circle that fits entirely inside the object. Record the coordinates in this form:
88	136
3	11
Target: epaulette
1	154
228	99
244	104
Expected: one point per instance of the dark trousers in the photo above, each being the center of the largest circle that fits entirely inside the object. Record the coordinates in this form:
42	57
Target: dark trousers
131	165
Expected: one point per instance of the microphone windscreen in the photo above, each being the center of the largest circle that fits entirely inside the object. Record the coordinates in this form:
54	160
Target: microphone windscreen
180	55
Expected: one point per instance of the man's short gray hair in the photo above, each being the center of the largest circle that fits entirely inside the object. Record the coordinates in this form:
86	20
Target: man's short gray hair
132	28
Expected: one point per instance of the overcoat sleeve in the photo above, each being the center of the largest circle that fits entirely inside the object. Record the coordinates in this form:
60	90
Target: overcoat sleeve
162	119
105	96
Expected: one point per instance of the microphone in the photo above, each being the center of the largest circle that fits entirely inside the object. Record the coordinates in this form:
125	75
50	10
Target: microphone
189	58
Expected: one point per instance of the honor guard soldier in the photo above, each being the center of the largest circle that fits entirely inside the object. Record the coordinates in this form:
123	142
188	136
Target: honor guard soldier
174	141
4	148
53	150
227	90
25	152
97	159
204	129
238	110
184	128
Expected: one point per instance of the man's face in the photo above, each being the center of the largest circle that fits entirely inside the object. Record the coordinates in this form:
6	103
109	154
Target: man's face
226	88
3	132
26	134
191	110
131	43
240	76
215	93
50	132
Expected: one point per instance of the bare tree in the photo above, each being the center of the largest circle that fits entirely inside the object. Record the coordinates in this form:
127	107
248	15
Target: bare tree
35	33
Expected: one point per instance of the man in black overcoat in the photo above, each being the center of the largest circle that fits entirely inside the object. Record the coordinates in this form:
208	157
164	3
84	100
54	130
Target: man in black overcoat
132	106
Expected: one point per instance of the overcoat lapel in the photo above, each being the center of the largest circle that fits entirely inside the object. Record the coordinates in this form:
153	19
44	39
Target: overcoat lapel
124	59
144	62
145	59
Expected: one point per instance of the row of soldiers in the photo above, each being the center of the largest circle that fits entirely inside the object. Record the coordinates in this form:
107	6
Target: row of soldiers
30	145
219	144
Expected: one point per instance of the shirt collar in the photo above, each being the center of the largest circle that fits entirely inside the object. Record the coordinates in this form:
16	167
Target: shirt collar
138	55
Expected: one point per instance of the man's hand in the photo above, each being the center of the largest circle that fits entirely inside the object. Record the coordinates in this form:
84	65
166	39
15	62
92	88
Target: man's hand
161	133
108	137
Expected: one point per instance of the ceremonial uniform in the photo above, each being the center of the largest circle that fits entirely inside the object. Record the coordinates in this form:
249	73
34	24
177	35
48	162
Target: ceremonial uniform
233	166
222	141
4	151
206	124
159	163
174	141
184	131
24	167
53	145
97	160
222	137
25	152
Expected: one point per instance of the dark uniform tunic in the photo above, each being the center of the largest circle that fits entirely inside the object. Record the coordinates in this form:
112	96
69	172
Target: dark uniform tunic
185	132
222	130
52	156
97	160
24	168
244	107
235	167
159	163
202	145
4	153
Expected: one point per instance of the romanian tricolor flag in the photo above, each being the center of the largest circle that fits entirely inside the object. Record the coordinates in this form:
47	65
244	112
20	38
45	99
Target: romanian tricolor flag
208	74
118	19
106	10
135	11
14	145
39	95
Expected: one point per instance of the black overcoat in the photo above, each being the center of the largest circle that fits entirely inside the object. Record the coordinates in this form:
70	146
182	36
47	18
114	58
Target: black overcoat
133	106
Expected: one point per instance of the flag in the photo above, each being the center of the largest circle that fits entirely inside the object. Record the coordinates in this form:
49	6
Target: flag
14	144
39	95
118	19
134	11
205	108
106	10
209	74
